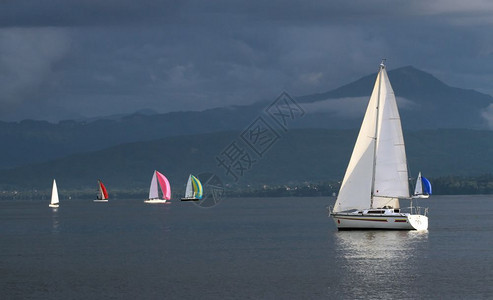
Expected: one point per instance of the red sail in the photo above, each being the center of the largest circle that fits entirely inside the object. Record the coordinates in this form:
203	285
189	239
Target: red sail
103	190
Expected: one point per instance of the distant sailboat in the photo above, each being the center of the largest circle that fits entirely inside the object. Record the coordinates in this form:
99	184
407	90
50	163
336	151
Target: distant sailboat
159	181
102	193
377	176
194	191
54	196
423	187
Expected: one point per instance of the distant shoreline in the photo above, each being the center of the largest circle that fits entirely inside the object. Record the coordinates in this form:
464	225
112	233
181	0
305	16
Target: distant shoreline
449	185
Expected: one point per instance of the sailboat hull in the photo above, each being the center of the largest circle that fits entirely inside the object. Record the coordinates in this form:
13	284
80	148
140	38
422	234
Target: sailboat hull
397	221
100	200
155	201
53	205
190	199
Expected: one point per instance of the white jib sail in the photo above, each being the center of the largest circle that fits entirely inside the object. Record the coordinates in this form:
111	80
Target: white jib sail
418	190
391	175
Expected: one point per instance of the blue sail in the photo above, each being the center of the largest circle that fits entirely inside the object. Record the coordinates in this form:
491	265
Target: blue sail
426	186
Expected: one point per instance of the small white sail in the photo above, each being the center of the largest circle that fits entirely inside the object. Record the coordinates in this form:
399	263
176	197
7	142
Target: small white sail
418	190
189	189
54	195
153	189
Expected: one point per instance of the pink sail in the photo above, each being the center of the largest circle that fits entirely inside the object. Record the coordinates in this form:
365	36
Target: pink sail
164	184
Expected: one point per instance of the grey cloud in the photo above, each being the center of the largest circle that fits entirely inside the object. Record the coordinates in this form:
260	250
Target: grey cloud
63	13
180	55
27	61
487	115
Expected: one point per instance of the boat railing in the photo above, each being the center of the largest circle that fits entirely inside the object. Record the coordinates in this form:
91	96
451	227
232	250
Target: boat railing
418	209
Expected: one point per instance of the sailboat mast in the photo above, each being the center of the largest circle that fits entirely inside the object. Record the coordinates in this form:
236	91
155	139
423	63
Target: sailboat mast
382	66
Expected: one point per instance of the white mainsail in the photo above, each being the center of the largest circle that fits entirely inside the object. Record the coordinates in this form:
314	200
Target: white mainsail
377	172
189	189
418	190
153	189
54	194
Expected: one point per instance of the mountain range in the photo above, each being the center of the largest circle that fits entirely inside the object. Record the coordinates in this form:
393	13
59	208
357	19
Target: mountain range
446	130
299	156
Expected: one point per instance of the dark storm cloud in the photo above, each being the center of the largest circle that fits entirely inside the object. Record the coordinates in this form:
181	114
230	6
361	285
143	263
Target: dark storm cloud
64	13
67	57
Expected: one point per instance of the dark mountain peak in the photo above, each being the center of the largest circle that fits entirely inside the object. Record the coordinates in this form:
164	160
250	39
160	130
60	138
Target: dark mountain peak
408	69
406	81
412	73
430	103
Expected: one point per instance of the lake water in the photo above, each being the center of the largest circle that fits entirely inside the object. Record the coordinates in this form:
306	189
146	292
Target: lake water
275	248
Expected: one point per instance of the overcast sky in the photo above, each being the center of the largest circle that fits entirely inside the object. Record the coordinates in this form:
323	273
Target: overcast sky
61	59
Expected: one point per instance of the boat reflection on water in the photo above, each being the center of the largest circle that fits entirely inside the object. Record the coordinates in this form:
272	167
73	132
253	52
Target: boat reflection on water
376	245
55	222
378	263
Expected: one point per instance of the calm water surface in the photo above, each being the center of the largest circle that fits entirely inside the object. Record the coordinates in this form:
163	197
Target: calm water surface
276	248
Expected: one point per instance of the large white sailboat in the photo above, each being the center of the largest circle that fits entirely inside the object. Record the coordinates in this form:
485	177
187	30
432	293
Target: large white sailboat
159	181
377	176
55	202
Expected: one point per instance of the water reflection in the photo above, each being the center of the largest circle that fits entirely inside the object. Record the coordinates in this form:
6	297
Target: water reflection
378	244
378	263
55	223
